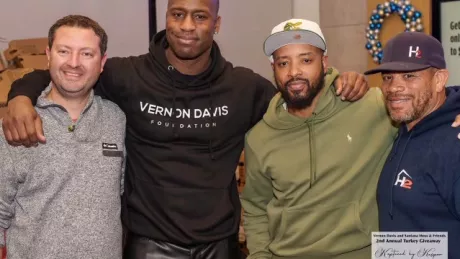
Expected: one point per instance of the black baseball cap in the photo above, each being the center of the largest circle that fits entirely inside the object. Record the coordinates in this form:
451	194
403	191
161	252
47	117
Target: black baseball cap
411	51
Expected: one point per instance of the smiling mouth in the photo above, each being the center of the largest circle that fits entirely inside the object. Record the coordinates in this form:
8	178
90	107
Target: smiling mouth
398	102
72	75
186	40
295	86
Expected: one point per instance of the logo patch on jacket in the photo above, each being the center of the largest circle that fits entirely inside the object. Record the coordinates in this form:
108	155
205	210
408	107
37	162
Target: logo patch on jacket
404	180
111	150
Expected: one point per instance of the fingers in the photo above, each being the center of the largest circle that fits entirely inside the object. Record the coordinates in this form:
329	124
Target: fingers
348	86
456	122
339	84
21	124
10	132
362	91
21	129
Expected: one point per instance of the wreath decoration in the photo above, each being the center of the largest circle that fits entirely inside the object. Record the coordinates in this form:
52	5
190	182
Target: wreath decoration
408	14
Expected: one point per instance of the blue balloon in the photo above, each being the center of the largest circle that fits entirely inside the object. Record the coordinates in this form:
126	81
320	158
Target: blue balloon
372	26
379	44
368	46
379	25
417	14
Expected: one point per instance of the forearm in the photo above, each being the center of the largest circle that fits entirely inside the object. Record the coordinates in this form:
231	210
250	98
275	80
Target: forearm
30	85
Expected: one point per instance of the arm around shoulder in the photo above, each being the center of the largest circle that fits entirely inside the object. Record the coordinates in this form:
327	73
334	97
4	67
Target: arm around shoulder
30	85
116	77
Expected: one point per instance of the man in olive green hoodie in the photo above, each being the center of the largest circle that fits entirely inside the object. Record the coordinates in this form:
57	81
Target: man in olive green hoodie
313	162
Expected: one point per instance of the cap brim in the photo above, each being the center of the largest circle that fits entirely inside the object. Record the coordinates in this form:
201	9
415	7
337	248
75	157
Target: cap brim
283	38
396	67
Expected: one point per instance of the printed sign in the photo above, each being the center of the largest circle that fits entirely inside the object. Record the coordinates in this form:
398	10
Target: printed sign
409	245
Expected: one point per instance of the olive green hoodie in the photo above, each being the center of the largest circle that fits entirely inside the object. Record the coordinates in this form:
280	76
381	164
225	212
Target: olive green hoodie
311	183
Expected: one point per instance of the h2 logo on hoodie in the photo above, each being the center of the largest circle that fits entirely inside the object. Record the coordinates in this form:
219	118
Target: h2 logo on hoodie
404	180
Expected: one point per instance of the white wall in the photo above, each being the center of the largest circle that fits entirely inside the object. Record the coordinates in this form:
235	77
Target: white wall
306	9
125	23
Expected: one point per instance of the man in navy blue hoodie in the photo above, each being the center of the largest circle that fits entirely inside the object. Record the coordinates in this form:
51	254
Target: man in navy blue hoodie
419	188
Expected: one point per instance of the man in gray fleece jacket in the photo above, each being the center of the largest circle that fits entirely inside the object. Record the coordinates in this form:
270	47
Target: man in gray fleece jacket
62	199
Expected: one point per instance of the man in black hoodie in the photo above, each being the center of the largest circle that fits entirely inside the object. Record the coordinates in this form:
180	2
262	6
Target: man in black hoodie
188	110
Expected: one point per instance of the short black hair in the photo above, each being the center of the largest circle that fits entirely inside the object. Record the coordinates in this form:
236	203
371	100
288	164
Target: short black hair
79	21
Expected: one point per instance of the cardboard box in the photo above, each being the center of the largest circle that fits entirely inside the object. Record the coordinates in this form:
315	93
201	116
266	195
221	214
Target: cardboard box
7	77
32	61
25	46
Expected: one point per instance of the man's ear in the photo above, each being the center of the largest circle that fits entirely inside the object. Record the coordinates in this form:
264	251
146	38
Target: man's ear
441	77
217	26
325	63
103	60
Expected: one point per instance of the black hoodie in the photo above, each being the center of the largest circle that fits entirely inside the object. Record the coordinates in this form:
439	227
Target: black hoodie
184	138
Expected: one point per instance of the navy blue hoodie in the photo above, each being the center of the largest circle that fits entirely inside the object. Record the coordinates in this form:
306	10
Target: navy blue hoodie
419	188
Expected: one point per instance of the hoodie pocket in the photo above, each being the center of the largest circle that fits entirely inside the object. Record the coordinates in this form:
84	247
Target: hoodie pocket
322	231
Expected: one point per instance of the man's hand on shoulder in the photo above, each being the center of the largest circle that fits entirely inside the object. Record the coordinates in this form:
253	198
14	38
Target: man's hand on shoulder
351	86
21	124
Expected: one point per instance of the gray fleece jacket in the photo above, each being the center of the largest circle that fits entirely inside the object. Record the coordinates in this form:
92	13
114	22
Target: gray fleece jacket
61	200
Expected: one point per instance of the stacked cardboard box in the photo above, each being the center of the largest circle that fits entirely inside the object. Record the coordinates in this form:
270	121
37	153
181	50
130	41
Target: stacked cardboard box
7	77
22	57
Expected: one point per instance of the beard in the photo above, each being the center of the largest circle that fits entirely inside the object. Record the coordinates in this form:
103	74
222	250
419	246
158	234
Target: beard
303	98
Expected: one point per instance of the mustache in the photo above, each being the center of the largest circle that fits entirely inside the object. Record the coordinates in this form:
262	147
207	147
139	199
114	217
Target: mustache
71	69
298	79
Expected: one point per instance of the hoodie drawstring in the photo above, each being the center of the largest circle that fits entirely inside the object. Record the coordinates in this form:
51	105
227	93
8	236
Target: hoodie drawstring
173	117
395	174
312	153
211	132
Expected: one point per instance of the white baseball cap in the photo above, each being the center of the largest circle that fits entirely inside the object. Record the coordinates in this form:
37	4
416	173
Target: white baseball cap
294	31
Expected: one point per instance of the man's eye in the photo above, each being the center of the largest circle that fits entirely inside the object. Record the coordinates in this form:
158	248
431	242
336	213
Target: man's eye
408	75
386	78
282	64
